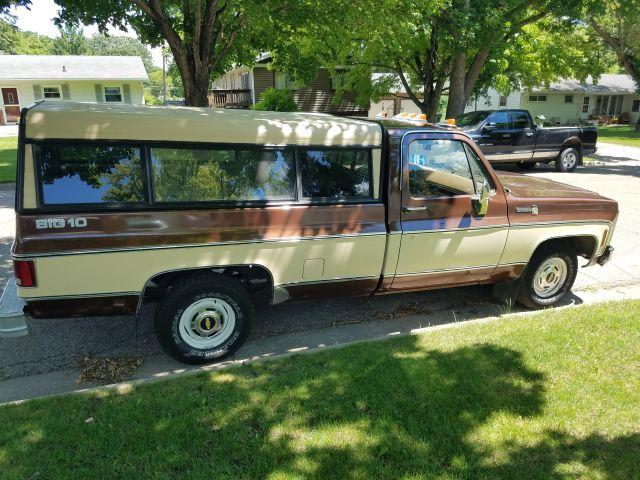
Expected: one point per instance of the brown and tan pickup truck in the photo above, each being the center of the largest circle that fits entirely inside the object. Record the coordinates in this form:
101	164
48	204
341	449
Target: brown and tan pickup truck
214	212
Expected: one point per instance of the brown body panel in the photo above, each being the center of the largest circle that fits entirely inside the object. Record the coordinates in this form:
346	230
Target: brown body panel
122	230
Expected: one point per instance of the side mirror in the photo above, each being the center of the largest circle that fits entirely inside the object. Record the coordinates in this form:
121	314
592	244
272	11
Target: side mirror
480	201
489	127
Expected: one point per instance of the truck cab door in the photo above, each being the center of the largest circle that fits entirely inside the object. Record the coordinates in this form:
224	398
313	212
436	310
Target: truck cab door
523	136
495	137
447	237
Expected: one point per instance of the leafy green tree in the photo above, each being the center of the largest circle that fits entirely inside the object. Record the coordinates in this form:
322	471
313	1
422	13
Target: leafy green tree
206	37
617	24
70	42
101	44
276	101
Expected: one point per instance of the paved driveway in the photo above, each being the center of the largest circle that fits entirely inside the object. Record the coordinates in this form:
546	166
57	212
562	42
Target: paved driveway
55	344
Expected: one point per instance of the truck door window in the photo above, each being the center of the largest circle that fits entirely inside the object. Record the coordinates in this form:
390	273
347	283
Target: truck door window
500	120
438	168
210	175
480	174
520	120
74	174
342	174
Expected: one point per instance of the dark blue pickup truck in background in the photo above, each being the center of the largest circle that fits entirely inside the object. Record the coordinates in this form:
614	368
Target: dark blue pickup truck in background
511	136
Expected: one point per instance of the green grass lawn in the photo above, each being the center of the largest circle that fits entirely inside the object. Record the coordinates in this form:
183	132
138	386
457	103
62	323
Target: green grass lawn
620	135
551	396
8	153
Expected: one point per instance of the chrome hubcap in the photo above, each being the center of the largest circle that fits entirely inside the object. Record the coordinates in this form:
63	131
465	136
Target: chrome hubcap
569	160
207	323
550	277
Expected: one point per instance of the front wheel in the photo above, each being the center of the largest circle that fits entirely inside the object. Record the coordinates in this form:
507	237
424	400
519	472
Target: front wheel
568	160
549	276
204	318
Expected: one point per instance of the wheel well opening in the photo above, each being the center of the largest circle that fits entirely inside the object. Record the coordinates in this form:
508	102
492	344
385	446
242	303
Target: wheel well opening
584	246
572	143
256	279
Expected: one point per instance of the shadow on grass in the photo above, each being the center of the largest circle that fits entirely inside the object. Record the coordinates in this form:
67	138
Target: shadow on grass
384	410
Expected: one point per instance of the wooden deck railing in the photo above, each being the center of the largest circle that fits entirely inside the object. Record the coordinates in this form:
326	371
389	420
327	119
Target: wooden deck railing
229	98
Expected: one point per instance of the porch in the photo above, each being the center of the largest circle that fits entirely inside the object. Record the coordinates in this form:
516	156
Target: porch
235	98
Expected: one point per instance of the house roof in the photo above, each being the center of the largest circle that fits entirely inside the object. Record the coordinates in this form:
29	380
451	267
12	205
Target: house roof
608	83
71	67
93	121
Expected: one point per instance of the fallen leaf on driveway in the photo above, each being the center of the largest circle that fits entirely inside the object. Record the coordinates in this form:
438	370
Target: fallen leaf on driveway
107	370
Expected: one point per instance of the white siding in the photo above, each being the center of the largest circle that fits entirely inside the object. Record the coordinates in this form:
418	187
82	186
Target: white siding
79	91
627	103
491	101
555	109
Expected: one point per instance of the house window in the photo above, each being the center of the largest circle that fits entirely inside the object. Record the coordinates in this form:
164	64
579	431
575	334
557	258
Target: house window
112	94
568	99
503	101
537	98
635	106
10	99
51	92
585	104
284	82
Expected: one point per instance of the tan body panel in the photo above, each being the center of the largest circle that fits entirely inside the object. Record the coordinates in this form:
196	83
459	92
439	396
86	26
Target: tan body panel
128	271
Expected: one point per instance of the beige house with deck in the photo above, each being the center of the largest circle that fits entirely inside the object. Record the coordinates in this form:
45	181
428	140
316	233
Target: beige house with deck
25	79
241	87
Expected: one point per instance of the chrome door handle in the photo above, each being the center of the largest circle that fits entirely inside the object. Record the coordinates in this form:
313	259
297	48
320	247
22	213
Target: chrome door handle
529	134
413	209
506	135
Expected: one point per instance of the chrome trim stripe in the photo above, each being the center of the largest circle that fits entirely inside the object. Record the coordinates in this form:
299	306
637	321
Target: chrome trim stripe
461	269
84	295
192	245
330	280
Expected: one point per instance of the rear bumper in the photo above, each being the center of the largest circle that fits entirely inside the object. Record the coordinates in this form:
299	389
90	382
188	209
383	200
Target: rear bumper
606	256
12	317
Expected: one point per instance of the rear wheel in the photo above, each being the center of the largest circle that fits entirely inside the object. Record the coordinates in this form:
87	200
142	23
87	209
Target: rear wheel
549	276
568	160
204	318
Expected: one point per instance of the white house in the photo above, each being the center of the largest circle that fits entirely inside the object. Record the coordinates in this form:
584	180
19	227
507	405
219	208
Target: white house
570	101
566	102
25	79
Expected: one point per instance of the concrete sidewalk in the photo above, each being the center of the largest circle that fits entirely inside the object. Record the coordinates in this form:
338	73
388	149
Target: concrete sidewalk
160	367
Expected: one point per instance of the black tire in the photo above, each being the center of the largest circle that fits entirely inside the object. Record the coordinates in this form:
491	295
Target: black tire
527	294
224	304
568	160
527	165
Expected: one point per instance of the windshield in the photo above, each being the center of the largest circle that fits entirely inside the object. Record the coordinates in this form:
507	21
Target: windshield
471	118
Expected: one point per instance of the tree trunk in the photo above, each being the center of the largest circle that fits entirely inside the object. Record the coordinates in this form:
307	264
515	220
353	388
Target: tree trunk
638	125
457	97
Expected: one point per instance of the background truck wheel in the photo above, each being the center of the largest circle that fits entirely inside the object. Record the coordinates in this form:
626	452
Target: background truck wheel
527	165
204	318
549	276
568	160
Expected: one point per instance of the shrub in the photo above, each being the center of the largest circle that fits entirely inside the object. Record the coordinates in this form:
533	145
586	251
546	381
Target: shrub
276	101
